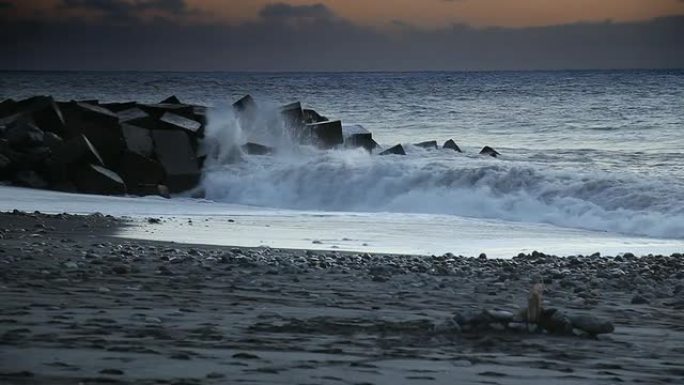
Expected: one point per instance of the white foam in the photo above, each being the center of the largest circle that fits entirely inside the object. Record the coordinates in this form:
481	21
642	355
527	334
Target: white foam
368	232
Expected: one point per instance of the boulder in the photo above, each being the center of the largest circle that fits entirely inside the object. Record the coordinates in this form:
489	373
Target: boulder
43	112
486	150
138	139
157	110
145	190
293	115
176	121
311	116
171	100
592	325
7	107
364	140
118	107
256	149
451	145
173	150
30	178
396	150
5	165
131	114
52	140
94	179
555	322
99	125
245	103
431	144
76	150
326	134
23	134
140	172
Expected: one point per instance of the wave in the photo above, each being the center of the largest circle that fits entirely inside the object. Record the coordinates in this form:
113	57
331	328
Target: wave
440	182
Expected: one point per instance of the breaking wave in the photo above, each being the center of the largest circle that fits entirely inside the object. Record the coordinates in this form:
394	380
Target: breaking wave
441	182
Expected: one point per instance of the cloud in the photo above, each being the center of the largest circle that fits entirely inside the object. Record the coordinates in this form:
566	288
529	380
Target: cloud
287	11
6	5
117	10
314	38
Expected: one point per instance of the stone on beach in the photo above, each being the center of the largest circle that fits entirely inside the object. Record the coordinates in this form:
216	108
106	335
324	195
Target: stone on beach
592	325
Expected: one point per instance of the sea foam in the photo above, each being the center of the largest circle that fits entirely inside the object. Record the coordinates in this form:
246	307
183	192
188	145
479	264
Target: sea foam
433	181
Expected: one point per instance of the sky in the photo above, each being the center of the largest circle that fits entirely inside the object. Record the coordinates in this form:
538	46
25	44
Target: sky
340	35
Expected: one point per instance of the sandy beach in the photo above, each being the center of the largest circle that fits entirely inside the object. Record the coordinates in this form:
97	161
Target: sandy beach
79	305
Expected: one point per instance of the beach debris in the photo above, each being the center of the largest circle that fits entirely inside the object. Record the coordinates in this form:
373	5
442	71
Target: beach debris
535	304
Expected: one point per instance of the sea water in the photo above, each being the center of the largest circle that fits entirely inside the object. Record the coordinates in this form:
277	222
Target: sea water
595	151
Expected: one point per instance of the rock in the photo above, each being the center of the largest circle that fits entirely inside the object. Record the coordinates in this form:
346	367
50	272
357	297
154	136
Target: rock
555	322
451	145
52	140
118	107
43	112
448	326
180	122
174	151
121	269
8	107
99	125
138	139
139	173
5	164
486	150
94	179
171	100
132	114
156	111
311	116
432	144
639	300
30	178
245	103
396	150
256	149
151	189
293	115
591	325
326	134
362	140
501	316
22	134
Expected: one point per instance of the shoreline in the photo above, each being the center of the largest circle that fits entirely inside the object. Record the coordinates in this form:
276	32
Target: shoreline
79	305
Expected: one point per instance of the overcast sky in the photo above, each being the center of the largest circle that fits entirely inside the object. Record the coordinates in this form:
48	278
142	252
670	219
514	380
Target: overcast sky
340	35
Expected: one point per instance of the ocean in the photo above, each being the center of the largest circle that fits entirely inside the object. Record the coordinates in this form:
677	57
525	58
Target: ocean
594	151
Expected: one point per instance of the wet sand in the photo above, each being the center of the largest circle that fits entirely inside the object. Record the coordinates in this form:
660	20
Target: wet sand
79	305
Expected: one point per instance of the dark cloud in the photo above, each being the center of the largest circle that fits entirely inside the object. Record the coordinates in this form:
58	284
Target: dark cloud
313	38
122	9
287	11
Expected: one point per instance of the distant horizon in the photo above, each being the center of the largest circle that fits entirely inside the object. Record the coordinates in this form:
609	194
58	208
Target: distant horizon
333	36
350	72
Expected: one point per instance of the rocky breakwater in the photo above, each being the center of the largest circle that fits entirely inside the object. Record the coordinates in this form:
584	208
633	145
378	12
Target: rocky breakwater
146	148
